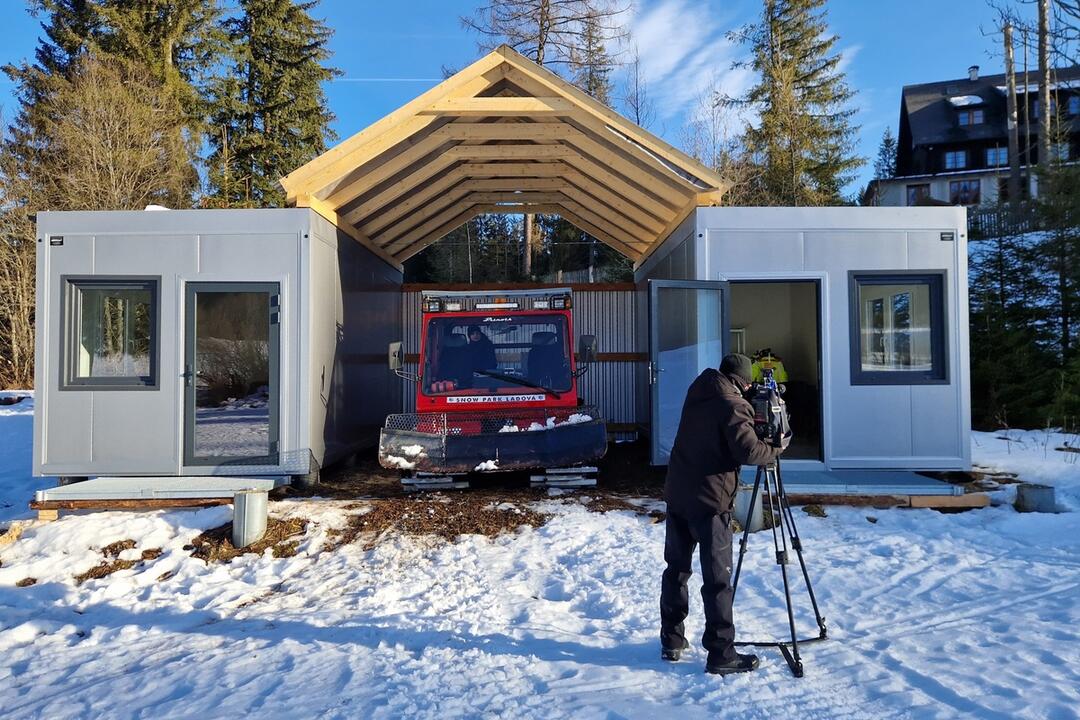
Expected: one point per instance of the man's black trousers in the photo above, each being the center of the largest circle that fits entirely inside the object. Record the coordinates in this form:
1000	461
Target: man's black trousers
713	534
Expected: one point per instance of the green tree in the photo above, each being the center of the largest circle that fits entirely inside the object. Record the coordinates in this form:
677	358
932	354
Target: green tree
804	139
885	164
268	111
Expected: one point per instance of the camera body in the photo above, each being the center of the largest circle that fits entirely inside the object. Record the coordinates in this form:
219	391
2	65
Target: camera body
771	422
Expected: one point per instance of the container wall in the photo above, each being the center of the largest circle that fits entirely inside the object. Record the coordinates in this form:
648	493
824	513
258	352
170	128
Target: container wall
355	313
915	426
140	432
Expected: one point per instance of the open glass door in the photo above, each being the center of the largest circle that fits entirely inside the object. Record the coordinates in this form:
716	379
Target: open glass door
688	330
232	358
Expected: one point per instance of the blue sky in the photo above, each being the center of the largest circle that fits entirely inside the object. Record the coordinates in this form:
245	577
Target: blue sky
392	51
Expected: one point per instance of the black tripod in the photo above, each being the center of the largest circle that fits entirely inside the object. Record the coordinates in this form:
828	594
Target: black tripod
783	532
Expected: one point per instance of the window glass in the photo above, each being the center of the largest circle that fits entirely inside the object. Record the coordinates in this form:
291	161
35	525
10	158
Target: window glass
1059	151
113	333
971	117
1074	105
504	353
900	329
956	160
997	156
964	192
917	194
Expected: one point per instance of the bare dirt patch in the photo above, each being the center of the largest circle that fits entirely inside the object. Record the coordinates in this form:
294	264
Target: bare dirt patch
26	582
215	545
112	562
447	517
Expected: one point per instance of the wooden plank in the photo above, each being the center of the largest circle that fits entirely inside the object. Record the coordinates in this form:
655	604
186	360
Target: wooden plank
517	197
508	131
47	514
327	213
54	506
416	200
616	202
530	169
404	186
416	147
524	70
602	209
437	233
470	81
509	152
395	245
967	500
501	106
513	184
641	197
881	502
640	236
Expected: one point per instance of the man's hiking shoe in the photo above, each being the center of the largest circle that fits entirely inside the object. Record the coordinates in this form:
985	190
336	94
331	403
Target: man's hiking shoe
673	654
741	663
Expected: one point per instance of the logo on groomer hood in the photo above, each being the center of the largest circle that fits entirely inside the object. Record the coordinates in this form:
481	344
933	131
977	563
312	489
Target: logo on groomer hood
498	319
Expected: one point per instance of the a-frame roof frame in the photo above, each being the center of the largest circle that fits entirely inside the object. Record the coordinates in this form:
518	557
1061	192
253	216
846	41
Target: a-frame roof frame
503	135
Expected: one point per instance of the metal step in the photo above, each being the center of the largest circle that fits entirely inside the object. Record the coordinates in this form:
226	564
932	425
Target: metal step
150	487
565	477
433	481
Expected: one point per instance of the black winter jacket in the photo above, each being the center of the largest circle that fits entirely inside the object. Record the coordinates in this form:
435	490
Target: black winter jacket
715	439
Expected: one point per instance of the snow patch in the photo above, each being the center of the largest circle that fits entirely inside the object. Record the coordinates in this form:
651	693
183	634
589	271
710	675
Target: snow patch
487	466
965	100
412	450
509	429
399	462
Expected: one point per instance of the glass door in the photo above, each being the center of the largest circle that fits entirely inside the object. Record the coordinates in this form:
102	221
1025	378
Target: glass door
231	373
688	325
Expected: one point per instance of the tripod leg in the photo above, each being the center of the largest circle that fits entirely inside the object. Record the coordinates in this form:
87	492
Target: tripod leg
796	544
780	543
745	533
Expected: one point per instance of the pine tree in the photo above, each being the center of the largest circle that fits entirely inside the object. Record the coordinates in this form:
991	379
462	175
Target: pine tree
268	109
885	164
804	139
593	63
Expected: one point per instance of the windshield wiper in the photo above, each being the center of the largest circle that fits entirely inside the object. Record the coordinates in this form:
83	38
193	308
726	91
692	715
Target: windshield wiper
518	381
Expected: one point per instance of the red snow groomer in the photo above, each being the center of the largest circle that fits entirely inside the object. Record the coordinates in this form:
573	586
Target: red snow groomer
496	391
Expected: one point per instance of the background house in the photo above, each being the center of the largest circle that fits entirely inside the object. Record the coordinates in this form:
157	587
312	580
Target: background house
952	144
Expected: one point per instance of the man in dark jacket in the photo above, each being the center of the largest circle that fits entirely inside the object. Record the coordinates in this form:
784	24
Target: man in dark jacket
715	439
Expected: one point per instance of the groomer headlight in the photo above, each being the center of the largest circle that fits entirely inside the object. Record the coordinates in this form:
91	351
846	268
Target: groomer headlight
432	306
453	306
562	302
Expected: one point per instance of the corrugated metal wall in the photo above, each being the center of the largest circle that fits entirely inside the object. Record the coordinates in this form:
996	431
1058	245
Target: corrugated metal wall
606	311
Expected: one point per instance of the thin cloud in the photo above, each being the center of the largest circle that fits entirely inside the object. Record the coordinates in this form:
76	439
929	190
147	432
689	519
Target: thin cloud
683	49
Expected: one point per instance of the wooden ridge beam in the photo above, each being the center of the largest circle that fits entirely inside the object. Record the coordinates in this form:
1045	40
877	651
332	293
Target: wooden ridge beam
501	106
517	169
331	216
483	198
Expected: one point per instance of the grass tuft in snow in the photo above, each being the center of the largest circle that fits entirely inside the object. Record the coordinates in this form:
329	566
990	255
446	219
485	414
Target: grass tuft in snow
215	545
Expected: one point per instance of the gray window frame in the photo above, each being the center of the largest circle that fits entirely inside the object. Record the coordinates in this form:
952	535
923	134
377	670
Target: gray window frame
937	280
962	155
71	309
273	291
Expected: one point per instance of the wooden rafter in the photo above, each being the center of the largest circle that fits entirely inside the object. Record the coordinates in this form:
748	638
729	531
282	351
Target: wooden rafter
503	135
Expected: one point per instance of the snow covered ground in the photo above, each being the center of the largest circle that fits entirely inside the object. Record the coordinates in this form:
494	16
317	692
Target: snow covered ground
931	616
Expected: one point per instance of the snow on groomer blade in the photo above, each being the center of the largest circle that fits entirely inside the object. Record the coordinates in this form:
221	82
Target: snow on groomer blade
497	387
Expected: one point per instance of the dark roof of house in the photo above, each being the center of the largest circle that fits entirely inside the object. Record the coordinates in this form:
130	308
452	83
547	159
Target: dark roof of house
931	115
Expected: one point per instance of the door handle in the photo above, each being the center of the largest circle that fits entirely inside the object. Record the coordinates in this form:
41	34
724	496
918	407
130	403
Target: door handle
188	376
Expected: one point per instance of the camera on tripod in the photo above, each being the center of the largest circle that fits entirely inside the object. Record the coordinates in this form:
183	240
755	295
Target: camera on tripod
771	421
